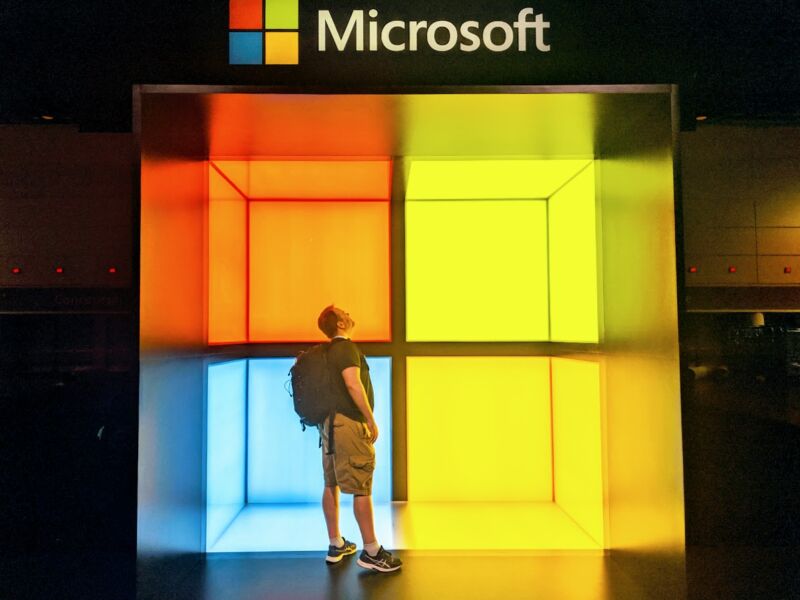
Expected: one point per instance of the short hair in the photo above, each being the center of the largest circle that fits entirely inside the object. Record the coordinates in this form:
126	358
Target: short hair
327	321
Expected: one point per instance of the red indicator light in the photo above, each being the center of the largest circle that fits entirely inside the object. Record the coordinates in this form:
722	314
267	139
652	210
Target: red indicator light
692	269
787	270
112	269
16	270
59	270
731	269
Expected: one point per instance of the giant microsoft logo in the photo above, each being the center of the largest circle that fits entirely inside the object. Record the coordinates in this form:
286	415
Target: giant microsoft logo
264	32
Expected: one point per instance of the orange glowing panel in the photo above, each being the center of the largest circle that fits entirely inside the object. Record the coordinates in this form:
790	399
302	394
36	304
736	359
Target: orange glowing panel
236	173
301	125
172	247
311	179
227	261
307	255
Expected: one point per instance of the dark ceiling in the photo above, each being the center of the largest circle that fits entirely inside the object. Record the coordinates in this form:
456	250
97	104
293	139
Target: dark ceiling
77	61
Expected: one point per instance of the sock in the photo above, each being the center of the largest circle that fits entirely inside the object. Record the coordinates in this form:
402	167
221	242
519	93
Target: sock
372	549
337	542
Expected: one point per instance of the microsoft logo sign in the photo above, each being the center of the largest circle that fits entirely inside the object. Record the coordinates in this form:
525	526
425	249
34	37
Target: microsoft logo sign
263	32
267	32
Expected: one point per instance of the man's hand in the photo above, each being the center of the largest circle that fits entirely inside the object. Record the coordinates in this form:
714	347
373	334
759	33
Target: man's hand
372	428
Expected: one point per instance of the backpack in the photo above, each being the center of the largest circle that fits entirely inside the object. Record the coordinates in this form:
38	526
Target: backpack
312	388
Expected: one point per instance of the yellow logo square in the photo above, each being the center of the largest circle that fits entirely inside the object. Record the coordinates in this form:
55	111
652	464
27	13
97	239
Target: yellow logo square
281	47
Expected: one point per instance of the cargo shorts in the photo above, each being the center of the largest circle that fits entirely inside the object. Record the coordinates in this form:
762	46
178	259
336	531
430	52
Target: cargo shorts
353	461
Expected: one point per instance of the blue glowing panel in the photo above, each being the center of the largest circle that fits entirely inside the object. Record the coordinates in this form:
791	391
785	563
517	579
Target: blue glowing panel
299	528
380	370
225	446
285	463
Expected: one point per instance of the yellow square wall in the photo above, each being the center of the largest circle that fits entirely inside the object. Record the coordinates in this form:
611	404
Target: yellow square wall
476	270
572	222
479	429
577	443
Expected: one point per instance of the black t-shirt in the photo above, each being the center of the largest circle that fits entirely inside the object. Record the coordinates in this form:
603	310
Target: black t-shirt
342	354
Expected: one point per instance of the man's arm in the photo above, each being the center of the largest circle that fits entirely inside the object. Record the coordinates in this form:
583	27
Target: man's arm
352	379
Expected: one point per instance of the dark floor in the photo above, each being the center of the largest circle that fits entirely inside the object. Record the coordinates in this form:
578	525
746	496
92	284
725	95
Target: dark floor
741	448
68	492
712	573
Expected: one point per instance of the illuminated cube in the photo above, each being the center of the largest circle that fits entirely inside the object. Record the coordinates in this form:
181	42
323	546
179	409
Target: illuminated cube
501	250
261	465
287	238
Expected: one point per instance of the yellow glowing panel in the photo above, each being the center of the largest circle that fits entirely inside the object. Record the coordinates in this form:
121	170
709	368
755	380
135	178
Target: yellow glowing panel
227	261
307	255
573	261
577	443
488	179
501	124
487	526
479	429
476	270
311	179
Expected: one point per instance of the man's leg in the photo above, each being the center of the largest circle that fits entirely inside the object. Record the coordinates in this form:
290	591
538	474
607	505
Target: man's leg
373	556
362	508
330	506
339	547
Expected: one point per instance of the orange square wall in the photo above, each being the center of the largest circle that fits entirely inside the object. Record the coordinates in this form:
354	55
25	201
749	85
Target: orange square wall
307	255
227	262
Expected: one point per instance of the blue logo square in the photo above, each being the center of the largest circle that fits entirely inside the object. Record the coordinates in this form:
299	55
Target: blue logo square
246	47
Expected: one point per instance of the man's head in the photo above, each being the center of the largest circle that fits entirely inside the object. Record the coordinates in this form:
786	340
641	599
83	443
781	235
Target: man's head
334	321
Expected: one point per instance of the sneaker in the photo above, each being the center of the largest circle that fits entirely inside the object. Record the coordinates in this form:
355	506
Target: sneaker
335	554
383	561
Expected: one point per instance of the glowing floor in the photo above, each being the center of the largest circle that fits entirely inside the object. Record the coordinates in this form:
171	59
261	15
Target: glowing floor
456	526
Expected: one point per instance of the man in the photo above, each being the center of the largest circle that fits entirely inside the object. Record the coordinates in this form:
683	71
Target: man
352	463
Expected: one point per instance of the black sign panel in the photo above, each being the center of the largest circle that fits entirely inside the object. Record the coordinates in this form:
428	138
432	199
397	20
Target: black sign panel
448	43
79	61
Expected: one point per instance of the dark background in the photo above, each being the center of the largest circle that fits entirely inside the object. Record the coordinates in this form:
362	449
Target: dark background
69	379
78	60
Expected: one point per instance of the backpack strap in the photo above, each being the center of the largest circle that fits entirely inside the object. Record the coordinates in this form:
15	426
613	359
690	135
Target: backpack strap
331	441
332	414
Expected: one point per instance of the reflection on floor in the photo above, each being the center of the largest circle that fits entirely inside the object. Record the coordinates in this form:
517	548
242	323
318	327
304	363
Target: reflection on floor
719	573
413	526
421	578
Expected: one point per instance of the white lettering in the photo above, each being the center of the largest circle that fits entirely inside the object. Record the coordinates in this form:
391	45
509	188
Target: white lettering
326	24
522	26
507	32
452	33
441	36
386	36
541	25
416	27
468	30
373	31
